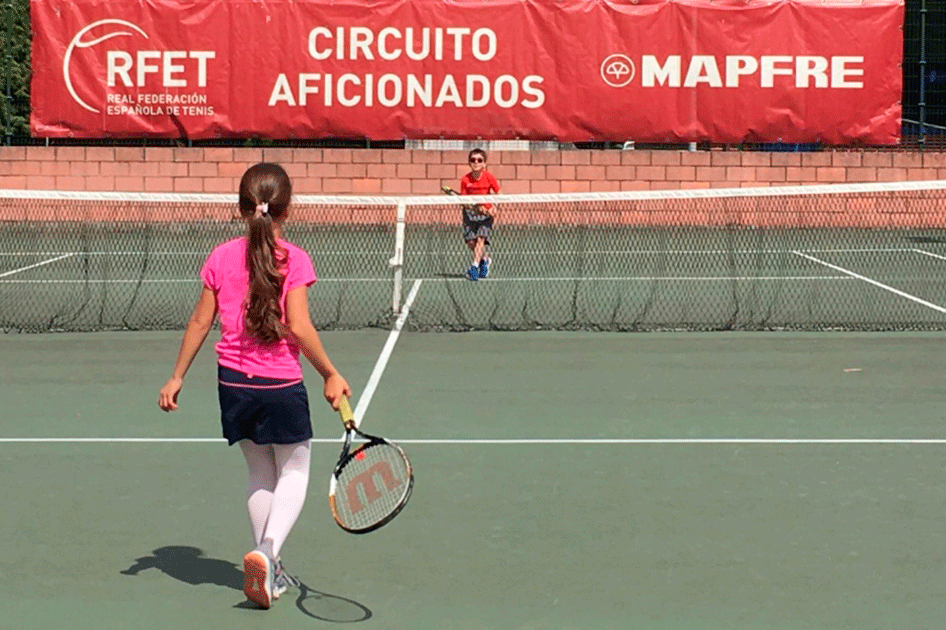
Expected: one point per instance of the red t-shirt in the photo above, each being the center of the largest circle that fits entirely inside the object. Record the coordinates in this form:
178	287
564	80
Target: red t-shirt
485	185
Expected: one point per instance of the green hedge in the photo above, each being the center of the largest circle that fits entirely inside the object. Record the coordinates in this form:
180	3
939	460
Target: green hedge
15	61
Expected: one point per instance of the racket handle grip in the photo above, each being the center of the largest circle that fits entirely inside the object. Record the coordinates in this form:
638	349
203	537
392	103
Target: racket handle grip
344	410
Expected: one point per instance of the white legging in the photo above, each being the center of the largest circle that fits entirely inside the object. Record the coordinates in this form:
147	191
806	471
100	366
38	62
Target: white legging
278	479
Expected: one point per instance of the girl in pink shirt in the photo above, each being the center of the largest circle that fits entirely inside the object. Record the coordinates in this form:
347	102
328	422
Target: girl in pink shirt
258	284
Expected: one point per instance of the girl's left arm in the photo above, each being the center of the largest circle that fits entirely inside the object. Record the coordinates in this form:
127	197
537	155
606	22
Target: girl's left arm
198	326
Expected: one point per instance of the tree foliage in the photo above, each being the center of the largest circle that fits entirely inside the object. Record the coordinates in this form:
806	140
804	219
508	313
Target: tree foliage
15	60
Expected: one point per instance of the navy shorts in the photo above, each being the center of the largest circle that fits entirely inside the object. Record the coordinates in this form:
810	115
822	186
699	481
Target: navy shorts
475	229
264	410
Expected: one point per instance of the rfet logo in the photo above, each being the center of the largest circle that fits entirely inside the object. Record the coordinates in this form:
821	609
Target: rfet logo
131	64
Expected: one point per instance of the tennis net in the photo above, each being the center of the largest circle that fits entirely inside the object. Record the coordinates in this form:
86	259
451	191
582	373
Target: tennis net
853	257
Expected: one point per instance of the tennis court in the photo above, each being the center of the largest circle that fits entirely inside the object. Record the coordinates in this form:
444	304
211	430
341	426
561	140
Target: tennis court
564	479
710	480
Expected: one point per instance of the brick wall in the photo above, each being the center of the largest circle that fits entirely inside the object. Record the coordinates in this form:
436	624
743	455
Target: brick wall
419	172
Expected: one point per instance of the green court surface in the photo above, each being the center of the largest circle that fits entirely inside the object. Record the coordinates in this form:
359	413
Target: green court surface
573	480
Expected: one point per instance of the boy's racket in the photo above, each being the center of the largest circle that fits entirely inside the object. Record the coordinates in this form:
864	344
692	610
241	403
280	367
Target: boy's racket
473	208
371	484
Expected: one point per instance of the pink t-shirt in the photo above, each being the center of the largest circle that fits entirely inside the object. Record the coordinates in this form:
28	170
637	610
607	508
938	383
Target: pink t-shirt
225	273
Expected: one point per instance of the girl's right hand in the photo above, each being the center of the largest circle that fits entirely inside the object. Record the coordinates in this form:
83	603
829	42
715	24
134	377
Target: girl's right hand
335	387
167	397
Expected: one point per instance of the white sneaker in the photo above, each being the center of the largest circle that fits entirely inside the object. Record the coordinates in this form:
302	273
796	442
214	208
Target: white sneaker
283	581
259	575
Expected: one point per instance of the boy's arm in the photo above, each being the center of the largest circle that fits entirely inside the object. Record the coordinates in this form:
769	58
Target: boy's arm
493	211
198	326
300	325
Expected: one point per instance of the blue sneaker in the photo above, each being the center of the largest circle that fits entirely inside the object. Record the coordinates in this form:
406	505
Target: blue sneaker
484	267
473	273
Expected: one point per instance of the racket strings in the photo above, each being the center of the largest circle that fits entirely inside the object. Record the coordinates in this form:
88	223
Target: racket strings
371	485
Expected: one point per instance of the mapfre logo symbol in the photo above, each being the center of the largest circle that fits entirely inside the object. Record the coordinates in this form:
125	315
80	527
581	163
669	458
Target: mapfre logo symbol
617	70
138	79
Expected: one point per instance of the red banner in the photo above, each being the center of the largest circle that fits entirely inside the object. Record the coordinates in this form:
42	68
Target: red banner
570	70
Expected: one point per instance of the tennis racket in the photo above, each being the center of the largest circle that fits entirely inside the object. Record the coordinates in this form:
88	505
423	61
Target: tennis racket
473	208
371	484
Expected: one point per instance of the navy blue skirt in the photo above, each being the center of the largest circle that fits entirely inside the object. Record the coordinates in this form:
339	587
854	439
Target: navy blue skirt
264	410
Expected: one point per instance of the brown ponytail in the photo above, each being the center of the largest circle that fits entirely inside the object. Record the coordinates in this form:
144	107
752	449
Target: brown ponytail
265	192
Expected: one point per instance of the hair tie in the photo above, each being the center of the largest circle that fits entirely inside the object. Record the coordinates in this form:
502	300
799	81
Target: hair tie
262	209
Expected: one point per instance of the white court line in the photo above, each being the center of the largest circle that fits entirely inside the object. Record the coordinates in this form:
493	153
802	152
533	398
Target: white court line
365	399
33	266
166	281
504	252
510	441
930	254
646	279
113	281
464	280
108	253
886	287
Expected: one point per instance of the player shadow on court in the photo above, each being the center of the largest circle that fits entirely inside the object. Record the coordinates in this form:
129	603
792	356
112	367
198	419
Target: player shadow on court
187	564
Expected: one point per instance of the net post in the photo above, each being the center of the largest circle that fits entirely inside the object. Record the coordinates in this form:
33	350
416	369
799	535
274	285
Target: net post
397	261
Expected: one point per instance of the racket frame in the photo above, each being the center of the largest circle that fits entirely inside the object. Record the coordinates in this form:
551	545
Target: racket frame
347	455
470	207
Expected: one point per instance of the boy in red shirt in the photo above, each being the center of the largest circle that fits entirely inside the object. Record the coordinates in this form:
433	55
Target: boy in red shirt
478	218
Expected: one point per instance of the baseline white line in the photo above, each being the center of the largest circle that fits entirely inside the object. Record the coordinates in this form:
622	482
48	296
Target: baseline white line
504	252
510	441
647	279
462	280
886	287
111	253
365	399
33	266
129	440
606	441
167	281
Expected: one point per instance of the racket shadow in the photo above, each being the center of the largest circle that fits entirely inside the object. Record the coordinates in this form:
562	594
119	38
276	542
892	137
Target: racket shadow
328	607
